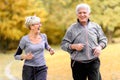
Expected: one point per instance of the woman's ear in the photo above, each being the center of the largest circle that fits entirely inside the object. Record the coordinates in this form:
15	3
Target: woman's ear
30	27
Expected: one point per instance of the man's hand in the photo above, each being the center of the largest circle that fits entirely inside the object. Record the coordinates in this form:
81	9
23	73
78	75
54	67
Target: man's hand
97	51
77	47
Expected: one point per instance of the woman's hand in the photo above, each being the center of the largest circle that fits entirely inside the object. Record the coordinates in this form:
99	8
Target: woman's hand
51	51
28	56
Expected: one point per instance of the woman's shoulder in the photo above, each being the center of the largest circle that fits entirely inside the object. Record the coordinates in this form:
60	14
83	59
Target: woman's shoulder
43	35
25	37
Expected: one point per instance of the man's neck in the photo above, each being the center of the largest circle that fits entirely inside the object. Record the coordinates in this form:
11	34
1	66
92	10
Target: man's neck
83	23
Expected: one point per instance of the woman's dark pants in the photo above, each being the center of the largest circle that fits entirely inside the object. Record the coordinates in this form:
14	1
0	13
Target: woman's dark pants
34	73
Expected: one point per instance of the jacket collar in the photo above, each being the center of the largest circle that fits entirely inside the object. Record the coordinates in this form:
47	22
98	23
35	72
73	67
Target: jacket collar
80	23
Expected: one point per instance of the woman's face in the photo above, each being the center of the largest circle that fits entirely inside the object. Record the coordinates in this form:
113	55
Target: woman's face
35	28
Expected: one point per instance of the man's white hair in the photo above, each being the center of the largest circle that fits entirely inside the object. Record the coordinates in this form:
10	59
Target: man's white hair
31	20
83	5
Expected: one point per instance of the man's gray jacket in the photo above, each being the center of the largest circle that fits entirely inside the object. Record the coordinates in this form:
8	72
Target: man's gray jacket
91	35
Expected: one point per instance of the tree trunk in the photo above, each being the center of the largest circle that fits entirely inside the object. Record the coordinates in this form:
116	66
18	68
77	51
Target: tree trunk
109	35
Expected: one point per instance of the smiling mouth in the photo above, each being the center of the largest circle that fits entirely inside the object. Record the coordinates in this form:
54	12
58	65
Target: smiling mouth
38	28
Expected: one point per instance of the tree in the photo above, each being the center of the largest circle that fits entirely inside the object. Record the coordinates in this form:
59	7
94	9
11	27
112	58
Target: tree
106	13
12	18
56	16
61	15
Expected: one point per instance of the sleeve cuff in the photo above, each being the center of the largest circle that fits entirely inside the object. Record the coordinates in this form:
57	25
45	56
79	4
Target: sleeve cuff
102	45
70	47
18	57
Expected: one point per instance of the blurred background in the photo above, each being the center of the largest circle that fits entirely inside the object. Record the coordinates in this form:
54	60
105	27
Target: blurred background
56	16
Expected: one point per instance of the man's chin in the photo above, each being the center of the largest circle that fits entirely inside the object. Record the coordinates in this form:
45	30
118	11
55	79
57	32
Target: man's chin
84	21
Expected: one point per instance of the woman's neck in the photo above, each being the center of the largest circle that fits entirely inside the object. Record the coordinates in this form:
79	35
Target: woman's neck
33	35
34	38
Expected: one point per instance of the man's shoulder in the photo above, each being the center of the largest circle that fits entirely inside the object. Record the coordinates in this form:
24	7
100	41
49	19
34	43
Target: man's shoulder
73	25
94	23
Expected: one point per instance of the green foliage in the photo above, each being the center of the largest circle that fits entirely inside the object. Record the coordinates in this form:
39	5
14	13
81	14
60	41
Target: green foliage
12	18
56	17
54	33
61	15
106	13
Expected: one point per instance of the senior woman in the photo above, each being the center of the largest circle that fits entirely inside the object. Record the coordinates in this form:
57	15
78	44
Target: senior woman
33	44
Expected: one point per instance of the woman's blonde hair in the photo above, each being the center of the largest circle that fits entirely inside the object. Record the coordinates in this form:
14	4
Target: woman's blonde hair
31	20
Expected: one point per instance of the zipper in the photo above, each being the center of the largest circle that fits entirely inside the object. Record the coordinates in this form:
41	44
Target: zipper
87	44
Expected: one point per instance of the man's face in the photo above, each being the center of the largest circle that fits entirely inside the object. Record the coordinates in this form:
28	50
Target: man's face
83	15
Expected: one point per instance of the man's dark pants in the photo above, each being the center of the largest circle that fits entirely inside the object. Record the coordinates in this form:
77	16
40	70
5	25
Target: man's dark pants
82	71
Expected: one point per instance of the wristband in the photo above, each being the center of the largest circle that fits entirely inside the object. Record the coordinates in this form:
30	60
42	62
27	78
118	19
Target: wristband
49	49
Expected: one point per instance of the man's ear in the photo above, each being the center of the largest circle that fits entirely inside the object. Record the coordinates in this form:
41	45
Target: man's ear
89	15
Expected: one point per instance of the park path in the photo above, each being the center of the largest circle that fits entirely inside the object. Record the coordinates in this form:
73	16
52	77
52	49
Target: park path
8	72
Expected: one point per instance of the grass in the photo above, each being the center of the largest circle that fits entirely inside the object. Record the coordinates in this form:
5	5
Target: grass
5	59
110	62
59	64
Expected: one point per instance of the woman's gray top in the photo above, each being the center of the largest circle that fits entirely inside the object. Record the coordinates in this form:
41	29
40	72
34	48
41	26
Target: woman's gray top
36	49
